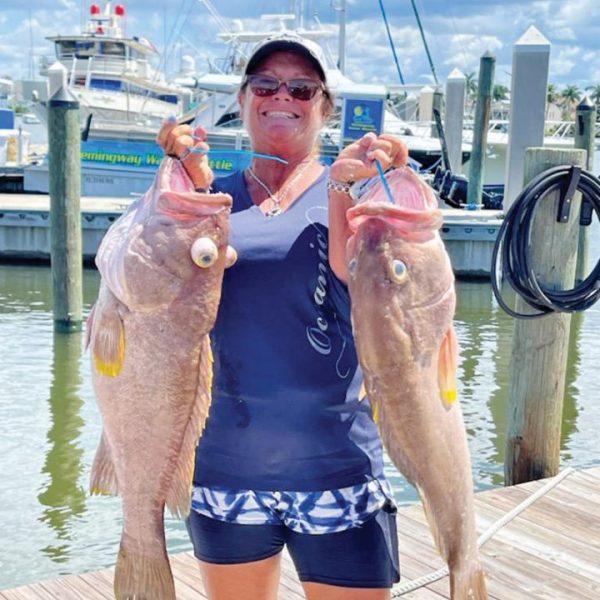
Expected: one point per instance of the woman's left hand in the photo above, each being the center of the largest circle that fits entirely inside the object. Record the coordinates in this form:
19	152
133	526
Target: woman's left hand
357	161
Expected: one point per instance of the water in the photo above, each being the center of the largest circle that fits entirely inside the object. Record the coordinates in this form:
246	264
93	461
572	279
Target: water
50	426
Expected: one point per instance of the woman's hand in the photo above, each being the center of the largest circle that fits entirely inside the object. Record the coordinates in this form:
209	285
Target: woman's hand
357	161
178	141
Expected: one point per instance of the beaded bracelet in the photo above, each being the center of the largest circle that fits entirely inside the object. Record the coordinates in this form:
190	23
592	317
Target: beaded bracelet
342	187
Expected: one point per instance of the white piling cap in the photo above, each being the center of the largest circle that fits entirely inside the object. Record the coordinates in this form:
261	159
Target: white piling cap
456	74
532	41
57	78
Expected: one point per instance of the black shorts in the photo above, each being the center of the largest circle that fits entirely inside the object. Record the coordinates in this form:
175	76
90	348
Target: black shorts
361	557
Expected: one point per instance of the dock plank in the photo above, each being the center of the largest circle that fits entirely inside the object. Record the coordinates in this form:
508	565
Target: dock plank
548	552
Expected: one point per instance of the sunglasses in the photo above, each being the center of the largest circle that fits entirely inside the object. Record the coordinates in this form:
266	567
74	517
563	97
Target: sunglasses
300	89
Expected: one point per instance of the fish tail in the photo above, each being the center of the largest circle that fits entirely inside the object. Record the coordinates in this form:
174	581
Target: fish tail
468	585
140	577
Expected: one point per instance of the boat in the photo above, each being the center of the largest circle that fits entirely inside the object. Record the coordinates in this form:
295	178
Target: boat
113	78
118	152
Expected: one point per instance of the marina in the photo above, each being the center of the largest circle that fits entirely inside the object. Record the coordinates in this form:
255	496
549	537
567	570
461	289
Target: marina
64	542
548	551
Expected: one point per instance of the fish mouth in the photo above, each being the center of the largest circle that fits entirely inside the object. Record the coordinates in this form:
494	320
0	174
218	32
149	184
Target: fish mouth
401	218
192	205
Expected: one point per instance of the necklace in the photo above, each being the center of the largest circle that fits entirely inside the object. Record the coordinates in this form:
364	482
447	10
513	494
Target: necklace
277	199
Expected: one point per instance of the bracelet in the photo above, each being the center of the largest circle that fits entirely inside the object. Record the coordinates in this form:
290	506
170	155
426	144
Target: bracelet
341	187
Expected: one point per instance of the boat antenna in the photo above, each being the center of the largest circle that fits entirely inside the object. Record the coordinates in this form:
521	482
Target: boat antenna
387	27
424	42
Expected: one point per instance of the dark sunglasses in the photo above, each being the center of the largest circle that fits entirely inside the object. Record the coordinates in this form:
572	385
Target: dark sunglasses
300	89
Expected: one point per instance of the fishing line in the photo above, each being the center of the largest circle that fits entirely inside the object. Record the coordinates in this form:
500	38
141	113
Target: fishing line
513	244
189	151
386	185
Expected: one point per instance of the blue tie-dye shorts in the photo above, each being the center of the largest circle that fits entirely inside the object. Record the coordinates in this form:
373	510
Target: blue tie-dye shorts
344	537
319	512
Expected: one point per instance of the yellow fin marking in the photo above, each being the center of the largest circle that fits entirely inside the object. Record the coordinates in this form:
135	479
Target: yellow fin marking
113	364
447	367
96	491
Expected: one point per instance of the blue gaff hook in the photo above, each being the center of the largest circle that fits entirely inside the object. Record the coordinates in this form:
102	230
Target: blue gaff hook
386	185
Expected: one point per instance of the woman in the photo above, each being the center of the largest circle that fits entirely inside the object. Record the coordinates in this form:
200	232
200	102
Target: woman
289	456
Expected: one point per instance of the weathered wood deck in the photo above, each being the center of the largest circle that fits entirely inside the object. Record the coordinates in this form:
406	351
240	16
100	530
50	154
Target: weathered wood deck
550	551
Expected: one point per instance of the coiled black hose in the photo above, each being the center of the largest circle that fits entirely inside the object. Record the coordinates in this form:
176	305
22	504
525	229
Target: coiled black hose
514	241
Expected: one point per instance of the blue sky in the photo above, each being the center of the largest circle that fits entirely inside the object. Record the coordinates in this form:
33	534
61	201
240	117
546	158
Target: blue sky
458	33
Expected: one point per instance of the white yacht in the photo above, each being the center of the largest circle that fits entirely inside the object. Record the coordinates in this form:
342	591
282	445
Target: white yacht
113	78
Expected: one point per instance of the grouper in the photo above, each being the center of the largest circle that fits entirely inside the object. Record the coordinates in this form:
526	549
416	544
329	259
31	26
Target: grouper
401	285
161	267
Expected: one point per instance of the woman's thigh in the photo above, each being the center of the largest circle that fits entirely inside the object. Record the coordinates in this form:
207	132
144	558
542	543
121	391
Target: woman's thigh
237	561
321	591
258	580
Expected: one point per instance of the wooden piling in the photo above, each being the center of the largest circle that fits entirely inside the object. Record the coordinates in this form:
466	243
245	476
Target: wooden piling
585	132
456	87
540	346
528	91
482	123
65	215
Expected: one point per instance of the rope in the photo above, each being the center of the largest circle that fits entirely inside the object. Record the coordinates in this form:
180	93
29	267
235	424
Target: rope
514	240
434	576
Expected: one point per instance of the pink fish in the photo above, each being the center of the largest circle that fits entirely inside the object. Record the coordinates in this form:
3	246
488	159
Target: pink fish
403	301
162	266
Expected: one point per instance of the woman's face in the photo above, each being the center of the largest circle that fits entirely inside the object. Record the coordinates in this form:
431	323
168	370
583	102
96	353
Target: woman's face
281	120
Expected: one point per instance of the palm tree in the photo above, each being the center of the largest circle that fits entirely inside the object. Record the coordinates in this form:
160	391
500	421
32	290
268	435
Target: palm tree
552	97
595	95
472	87
570	95
499	92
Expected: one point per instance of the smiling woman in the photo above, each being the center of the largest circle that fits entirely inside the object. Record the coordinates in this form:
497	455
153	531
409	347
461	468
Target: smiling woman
284	414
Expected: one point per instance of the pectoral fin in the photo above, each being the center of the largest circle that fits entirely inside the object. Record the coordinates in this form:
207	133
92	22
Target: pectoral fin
447	366
108	343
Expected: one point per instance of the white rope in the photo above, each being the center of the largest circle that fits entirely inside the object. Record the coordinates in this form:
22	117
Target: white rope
434	576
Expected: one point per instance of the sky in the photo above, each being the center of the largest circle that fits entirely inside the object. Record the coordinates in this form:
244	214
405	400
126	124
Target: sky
458	33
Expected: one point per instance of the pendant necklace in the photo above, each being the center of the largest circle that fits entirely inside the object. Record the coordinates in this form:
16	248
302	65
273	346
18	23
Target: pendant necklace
276	201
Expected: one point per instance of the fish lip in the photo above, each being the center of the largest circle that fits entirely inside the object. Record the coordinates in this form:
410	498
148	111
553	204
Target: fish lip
403	218
180	206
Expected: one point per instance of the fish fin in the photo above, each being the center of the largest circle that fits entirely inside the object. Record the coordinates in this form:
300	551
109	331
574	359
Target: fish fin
89	324
435	532
108	342
447	366
138	576
178	498
469	585
103	480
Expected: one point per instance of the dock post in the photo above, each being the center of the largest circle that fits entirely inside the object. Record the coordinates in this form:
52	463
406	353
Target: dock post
65	214
482	123
585	131
528	92
456	88
539	354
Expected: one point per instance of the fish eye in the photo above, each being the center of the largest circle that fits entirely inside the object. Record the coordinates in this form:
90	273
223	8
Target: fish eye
204	252
352	266
399	271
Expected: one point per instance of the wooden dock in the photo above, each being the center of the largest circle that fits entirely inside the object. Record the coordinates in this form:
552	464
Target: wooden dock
550	551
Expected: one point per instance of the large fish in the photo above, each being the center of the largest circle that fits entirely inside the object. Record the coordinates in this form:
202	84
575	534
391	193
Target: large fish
162	266
403	300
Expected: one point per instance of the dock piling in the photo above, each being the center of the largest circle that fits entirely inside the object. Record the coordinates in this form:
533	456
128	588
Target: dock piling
528	91
456	87
585	132
540	346
65	214
482	122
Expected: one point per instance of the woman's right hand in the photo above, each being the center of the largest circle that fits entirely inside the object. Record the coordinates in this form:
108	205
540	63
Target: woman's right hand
178	141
